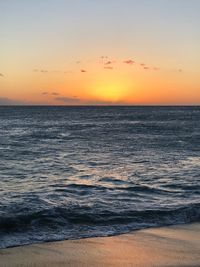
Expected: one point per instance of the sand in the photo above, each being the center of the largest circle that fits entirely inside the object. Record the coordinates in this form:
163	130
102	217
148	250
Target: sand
166	246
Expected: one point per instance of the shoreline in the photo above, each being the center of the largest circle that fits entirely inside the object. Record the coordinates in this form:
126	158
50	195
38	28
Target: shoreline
177	245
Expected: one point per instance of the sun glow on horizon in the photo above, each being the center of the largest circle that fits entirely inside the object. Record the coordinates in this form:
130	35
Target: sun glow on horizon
110	90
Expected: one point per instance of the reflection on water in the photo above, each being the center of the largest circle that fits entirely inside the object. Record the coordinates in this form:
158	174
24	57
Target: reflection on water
89	171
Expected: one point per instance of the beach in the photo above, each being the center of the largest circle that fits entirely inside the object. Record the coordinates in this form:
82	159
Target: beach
164	246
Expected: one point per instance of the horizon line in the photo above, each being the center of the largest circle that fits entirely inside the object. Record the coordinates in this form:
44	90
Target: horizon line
132	105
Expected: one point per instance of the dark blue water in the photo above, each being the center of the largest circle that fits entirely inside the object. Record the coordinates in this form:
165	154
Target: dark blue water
74	172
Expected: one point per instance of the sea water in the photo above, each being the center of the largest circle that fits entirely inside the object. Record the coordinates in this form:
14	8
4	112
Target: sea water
75	172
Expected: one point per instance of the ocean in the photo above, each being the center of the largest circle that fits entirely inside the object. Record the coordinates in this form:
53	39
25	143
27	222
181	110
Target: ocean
76	172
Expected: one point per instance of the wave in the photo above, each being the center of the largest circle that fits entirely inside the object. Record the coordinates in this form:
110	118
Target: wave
82	221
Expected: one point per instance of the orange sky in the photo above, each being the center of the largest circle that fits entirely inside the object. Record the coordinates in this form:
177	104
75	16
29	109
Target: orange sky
121	52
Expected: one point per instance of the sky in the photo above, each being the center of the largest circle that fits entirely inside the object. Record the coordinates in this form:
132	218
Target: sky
100	52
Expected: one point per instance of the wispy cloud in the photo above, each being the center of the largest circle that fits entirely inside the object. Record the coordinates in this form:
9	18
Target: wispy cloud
104	57
49	93
108	62
40	70
55	94
129	61
43	71
1	75
67	72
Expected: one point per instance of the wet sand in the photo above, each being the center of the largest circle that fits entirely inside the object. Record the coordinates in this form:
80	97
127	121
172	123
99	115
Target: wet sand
166	246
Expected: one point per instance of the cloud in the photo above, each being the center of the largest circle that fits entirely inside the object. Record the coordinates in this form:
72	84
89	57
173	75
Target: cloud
108	63
1	75
129	61
41	71
104	57
68	100
146	68
142	64
83	71
77	101
180	70
4	101
54	93
67	72
108	68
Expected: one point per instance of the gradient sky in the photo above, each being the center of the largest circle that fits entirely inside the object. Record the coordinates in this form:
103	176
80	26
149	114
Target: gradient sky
100	52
